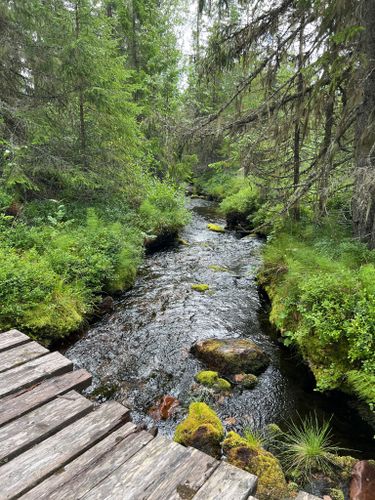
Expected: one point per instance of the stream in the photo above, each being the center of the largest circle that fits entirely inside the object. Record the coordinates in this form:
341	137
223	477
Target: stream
141	351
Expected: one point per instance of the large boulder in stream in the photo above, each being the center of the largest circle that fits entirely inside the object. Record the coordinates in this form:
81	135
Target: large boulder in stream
231	356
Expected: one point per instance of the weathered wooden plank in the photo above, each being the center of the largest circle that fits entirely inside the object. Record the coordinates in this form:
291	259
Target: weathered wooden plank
140	475
302	495
86	471
226	483
30	468
32	372
184	480
39	424
16	405
21	354
12	338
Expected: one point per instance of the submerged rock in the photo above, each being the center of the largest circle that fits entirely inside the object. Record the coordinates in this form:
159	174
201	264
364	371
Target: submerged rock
200	287
218	269
201	429
256	460
216	228
165	408
231	356
362	484
212	379
246	380
107	305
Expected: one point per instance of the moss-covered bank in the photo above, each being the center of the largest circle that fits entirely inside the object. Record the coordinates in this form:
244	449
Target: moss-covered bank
57	259
322	287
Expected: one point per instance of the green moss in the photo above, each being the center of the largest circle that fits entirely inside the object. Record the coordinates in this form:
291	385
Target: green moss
246	380
217	269
342	465
256	460
211	379
336	494
201	429
321	284
200	287
216	228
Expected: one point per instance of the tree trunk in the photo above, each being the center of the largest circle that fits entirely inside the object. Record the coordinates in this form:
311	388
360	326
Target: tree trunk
364	193
82	124
297	127
327	160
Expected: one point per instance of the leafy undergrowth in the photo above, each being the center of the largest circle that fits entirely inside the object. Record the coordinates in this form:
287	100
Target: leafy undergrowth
238	196
322	286
57	258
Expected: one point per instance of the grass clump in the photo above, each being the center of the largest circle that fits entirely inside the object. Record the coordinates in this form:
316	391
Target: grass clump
212	379
200	287
307	448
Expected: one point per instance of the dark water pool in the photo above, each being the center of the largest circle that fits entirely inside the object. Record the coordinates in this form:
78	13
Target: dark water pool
140	352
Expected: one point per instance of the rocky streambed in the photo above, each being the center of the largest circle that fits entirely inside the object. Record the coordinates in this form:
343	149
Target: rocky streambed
203	288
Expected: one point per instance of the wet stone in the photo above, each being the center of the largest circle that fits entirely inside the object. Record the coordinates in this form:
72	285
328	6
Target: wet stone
231	355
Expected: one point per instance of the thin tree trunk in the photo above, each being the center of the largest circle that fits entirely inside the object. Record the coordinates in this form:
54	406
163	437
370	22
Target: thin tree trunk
297	127
82	124
327	163
364	194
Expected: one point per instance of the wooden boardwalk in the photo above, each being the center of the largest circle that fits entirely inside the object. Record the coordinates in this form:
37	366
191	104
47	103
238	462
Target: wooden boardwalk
56	445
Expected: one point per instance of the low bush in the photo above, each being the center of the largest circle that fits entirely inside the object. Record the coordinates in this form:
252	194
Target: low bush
57	259
245	201
162	210
322	287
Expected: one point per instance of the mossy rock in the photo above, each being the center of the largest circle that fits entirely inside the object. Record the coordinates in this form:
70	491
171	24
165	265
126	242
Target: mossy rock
342	466
336	494
246	380
212	379
200	287
216	228
254	459
201	429
218	269
231	356
181	241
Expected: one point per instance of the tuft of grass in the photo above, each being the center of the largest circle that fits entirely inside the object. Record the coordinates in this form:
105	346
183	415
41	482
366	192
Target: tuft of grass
307	447
254	438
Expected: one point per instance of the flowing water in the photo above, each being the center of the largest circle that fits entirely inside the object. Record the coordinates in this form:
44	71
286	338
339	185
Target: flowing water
141	351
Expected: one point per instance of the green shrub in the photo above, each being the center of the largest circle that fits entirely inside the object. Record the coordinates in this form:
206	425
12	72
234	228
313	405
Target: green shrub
51	275
33	297
58	257
163	209
323	300
244	202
